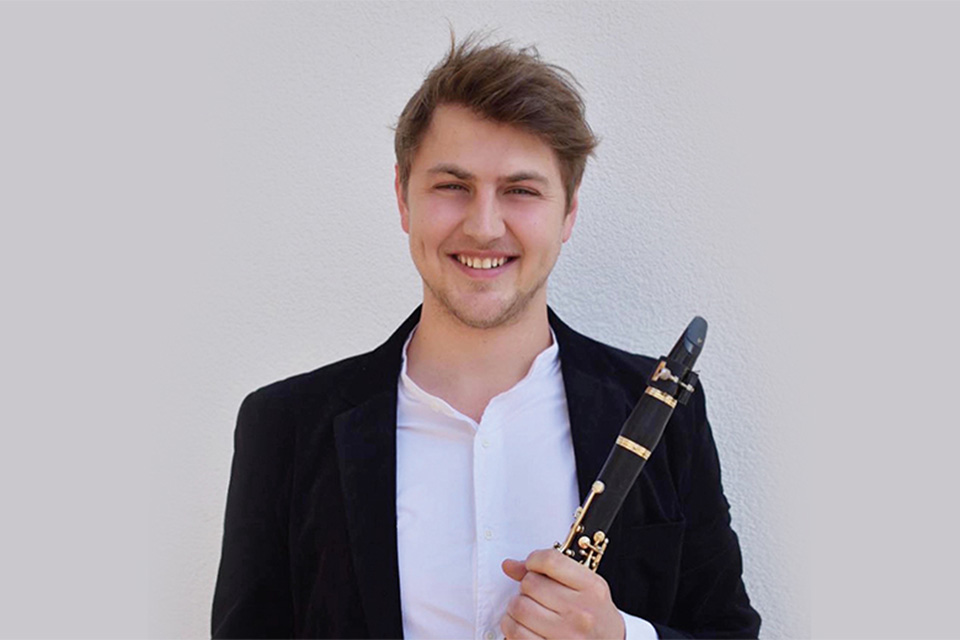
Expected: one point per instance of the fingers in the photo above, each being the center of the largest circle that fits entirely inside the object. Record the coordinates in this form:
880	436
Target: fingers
533	617
559	598
554	564
547	591
513	629
515	569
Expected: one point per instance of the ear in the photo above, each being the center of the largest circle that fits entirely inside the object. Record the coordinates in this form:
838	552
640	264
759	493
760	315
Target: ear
401	200
571	216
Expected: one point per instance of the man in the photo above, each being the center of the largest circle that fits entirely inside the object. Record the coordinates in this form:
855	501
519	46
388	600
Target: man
416	489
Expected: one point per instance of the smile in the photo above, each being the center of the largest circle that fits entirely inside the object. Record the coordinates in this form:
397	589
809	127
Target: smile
482	263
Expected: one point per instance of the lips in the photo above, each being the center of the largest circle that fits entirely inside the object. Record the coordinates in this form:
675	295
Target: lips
483	266
477	262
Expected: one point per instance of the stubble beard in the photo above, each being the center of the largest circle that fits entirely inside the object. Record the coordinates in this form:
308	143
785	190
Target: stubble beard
507	315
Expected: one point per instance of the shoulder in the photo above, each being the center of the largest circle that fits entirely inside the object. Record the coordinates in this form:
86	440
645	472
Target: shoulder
322	380
615	364
312	393
305	405
610	366
285	420
629	373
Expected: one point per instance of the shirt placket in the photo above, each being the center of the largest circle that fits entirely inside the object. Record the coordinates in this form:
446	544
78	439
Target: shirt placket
487	474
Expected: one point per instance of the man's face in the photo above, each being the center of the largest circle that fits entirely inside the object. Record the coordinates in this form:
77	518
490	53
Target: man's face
481	194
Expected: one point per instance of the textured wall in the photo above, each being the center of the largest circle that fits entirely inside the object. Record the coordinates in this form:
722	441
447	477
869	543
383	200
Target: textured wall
197	200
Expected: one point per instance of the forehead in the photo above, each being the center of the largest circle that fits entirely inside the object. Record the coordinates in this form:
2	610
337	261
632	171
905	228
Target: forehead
458	136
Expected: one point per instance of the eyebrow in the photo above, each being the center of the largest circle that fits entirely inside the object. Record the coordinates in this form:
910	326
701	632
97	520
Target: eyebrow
462	174
452	169
523	176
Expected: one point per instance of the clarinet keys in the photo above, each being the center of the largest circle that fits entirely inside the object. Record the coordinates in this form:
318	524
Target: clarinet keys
593	550
590	551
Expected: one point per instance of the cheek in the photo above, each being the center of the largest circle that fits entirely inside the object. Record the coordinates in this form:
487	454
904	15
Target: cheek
539	236
428	233
435	221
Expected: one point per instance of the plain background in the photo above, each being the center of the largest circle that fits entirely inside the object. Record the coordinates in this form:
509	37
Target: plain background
197	200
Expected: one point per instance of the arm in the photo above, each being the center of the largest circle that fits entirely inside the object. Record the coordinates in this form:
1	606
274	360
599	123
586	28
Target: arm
253	595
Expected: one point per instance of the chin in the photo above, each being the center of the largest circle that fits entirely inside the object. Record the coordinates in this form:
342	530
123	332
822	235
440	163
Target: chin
484	309
488	314
487	321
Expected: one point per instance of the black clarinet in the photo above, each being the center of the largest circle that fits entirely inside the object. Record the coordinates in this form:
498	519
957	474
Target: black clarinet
672	383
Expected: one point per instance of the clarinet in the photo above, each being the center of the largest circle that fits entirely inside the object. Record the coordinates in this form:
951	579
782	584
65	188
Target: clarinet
672	382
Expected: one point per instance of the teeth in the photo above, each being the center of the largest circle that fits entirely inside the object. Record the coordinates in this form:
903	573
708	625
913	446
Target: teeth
481	263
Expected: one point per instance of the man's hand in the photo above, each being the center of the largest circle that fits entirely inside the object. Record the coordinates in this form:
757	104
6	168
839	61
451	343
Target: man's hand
559	598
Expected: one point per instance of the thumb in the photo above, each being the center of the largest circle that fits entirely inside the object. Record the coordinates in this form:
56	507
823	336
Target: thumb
514	569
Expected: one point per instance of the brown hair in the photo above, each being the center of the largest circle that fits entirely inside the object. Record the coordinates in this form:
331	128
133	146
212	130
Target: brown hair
505	85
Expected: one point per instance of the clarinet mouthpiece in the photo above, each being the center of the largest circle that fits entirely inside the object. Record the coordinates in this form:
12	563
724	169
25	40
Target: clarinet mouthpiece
689	346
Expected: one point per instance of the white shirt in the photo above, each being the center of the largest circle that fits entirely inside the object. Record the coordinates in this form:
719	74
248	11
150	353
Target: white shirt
471	494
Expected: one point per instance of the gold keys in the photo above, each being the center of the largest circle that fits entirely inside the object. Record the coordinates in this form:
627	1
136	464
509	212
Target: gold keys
587	551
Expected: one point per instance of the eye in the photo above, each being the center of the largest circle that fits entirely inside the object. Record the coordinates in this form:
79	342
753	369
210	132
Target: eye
451	187
523	191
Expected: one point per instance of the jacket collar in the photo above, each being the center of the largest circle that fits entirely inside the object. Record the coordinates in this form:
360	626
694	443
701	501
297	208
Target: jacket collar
366	447
591	401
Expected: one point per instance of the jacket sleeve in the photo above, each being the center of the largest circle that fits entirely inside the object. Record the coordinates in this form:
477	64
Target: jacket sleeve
711	601
253	591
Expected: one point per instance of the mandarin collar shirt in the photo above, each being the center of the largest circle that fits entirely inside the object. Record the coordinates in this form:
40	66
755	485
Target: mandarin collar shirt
470	494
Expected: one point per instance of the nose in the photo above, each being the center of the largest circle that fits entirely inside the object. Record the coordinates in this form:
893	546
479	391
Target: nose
484	219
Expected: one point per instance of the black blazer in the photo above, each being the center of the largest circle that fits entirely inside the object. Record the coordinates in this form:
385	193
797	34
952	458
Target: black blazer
310	533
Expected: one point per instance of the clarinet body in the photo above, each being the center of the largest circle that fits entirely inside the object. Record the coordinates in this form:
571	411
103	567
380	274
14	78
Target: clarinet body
672	383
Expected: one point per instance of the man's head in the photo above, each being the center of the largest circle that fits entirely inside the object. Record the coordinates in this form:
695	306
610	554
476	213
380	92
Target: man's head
506	86
490	152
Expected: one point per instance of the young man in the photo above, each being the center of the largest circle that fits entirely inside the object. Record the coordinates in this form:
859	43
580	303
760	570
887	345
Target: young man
417	489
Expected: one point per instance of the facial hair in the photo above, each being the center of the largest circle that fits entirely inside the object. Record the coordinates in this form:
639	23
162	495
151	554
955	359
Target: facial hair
510	314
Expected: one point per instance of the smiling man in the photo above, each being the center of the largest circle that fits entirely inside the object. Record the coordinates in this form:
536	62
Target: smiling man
415	490
486	212
489	215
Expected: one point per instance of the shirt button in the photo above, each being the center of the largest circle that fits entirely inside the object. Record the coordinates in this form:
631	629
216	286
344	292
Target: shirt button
488	534
485	443
490	635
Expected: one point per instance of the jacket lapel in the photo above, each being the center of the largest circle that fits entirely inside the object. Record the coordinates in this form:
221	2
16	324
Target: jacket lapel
367	452
597	411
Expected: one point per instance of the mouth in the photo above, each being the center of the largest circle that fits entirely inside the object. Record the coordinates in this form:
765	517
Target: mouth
476	262
483	266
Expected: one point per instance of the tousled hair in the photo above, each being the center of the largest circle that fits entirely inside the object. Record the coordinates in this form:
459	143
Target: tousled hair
505	85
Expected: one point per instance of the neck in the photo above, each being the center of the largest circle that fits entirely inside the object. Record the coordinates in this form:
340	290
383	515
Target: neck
467	366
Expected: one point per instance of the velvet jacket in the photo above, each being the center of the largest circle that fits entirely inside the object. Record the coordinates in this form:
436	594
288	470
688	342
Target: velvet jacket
310	532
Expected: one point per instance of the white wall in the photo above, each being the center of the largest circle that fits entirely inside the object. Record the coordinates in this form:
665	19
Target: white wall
196	200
